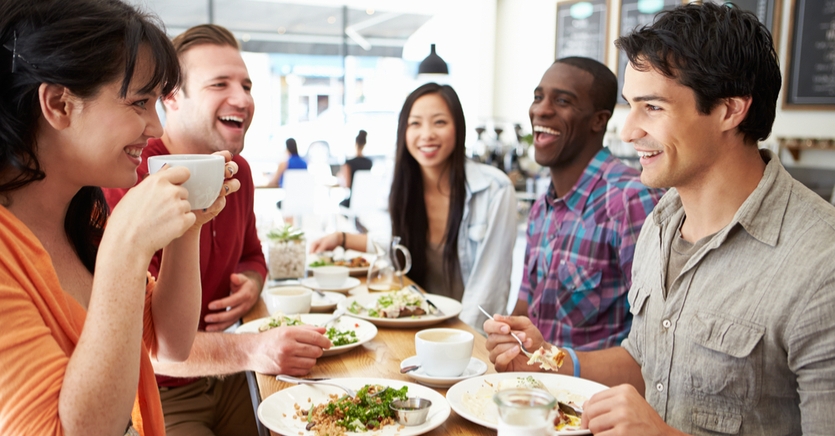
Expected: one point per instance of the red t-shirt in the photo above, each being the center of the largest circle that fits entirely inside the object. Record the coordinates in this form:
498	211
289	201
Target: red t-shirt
228	244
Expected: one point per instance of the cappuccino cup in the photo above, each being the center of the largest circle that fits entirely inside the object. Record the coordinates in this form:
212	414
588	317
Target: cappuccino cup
444	352
205	181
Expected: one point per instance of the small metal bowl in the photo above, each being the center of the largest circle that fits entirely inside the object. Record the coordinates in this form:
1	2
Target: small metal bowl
411	411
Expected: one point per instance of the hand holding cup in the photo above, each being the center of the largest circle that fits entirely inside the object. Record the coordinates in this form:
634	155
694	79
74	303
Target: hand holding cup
210	180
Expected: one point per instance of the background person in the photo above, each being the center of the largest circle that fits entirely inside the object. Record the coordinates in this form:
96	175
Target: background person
581	234
211	111
732	290
351	166
457	217
80	311
293	162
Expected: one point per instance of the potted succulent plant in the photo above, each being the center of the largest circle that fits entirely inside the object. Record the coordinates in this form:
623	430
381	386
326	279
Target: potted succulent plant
286	253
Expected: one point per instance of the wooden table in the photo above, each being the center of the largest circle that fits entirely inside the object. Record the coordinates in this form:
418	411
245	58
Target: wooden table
380	358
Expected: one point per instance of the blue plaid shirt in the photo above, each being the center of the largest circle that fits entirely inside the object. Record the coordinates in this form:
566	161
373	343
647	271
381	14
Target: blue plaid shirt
578	259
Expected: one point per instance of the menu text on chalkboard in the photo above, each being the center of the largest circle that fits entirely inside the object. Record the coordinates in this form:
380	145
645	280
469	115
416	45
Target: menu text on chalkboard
581	29
633	15
811	70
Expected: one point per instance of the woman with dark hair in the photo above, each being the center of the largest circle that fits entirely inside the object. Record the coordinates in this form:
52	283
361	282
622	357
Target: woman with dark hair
351	166
78	82
457	217
293	162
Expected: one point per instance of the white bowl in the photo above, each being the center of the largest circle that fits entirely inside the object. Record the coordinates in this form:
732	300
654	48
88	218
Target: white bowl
289	300
330	276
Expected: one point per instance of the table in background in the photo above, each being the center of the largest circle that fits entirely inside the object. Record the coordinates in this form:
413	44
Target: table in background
380	358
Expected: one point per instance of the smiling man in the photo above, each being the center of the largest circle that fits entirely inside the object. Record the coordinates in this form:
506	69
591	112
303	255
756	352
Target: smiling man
733	284
581	234
212	111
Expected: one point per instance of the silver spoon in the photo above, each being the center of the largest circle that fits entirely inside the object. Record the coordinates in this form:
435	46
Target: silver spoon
409	368
521	345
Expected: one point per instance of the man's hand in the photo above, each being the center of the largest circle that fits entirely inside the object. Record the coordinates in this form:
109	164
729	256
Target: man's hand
245	291
621	410
230	185
504	350
288	350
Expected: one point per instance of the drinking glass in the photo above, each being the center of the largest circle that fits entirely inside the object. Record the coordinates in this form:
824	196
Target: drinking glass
525	411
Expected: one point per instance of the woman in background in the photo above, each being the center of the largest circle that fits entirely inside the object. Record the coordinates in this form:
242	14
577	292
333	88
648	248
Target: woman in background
457	217
78	82
351	166
293	162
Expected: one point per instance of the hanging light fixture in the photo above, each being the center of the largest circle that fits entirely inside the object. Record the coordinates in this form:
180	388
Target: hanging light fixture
433	64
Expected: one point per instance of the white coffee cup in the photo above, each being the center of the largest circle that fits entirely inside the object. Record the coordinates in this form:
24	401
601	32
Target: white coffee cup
206	178
330	276
289	300
444	352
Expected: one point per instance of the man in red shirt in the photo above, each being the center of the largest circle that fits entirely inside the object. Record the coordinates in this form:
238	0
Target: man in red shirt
210	112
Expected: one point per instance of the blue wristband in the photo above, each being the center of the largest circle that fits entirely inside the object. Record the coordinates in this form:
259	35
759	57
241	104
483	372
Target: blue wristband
575	360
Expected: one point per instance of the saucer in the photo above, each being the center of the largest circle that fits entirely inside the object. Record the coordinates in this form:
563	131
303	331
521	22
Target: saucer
474	369
327	303
347	285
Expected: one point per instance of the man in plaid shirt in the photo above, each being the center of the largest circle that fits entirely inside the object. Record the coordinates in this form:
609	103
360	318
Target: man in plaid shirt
581	234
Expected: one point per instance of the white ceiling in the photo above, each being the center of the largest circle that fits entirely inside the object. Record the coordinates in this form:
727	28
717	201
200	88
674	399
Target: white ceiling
293	27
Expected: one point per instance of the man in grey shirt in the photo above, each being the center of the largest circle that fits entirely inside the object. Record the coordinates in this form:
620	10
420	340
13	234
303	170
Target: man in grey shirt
733	289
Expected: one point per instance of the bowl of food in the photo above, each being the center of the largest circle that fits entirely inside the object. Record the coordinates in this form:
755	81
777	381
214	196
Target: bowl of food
411	411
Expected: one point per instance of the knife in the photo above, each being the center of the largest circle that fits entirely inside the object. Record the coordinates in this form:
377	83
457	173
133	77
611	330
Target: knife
438	312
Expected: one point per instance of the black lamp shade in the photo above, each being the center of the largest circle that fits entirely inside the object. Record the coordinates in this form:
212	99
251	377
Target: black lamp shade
433	64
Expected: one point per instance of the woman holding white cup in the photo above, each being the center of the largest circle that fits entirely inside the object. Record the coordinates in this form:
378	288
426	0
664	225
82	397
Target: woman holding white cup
80	312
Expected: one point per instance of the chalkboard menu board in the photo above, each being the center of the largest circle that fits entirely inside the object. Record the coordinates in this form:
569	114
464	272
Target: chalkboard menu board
811	70
581	29
635	14
765	10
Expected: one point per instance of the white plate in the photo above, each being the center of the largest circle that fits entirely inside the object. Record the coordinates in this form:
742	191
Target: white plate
471	398
365	330
350	254
277	410
345	287
326	303
474	369
451	308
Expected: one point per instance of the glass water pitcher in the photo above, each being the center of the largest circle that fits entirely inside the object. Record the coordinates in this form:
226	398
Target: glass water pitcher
386	272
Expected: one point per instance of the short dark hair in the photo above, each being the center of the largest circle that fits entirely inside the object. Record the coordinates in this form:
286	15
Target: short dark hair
604	88
292	148
81	45
717	51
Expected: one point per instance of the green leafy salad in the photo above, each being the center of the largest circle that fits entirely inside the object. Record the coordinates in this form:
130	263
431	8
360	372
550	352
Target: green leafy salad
358	414
337	337
400	304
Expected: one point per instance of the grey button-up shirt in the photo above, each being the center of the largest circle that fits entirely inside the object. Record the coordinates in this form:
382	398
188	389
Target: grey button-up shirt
743	342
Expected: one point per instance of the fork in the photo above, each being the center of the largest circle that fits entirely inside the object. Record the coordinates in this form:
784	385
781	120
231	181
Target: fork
336	315
570	409
521	345
323	381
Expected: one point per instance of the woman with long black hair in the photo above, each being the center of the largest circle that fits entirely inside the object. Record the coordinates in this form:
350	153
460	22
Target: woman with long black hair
457	217
78	83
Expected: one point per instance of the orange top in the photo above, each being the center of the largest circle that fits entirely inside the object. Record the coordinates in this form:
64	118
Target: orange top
40	327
